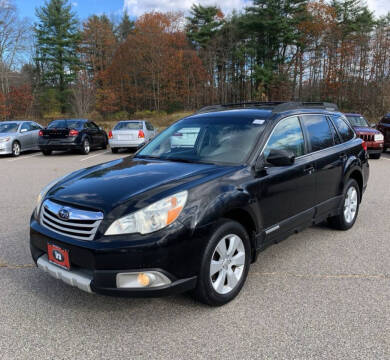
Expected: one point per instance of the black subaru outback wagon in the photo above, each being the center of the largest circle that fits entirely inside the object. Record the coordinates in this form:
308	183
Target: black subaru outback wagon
194	207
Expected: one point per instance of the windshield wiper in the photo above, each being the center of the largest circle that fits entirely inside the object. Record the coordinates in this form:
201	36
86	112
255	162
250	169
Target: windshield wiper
189	161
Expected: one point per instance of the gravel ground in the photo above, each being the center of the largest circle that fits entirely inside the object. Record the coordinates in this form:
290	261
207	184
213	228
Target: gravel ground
321	294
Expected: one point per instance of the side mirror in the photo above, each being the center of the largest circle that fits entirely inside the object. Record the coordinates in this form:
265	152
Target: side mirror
23	130
281	157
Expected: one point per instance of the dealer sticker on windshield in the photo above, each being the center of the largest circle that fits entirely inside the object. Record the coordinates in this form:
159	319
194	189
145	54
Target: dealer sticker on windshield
258	122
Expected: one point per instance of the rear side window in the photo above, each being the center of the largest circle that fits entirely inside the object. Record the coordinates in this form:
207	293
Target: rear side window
288	136
149	126
343	128
319	132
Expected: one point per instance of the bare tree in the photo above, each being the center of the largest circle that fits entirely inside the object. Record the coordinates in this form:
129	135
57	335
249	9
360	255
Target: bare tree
15	36
83	92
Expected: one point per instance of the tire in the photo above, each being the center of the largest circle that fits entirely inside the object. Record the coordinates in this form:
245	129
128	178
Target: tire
46	152
85	147
104	147
375	156
346	219
384	149
219	288
114	150
16	149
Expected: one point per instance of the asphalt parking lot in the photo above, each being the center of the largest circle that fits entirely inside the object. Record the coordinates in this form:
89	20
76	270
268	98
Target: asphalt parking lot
319	294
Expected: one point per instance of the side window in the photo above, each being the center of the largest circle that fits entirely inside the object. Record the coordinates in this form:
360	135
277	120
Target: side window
25	126
35	126
320	134
287	135
343	128
149	126
94	126
336	137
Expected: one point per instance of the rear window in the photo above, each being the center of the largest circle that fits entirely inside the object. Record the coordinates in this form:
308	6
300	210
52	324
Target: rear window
133	125
66	124
343	128
357	121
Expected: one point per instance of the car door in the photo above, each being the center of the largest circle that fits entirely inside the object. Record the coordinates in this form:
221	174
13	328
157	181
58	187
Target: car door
100	134
92	133
25	136
150	131
35	128
285	193
328	155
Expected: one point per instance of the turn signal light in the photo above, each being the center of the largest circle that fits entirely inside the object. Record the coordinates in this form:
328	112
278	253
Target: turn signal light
73	132
141	134
364	145
40	133
110	134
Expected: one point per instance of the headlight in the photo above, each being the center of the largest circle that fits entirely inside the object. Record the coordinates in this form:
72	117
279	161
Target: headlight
378	137
4	139
152	218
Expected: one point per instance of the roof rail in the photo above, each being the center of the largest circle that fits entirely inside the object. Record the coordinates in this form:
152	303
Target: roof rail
243	105
292	105
275	106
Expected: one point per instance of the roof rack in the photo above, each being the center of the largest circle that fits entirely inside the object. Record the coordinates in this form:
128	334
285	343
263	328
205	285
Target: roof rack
275	106
243	105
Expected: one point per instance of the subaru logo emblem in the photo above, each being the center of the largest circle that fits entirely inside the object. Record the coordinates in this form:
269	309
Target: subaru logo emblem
63	214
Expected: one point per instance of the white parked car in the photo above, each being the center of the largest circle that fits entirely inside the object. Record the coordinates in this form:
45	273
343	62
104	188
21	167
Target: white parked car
130	134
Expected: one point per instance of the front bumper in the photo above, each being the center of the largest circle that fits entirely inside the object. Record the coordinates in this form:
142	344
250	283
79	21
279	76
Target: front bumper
95	264
374	147
102	281
6	148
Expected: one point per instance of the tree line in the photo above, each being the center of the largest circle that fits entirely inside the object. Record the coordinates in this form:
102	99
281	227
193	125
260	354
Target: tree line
335	51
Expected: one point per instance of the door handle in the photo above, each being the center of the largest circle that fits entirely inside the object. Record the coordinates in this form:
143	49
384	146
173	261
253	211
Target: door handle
309	169
343	157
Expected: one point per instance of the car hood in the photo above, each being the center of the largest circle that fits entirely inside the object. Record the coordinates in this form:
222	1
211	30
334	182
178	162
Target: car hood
141	182
366	129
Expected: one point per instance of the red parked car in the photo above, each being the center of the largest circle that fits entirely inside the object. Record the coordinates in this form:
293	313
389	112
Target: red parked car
384	127
373	137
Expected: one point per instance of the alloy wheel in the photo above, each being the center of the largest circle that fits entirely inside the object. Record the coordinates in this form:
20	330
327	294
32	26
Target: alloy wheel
87	147
16	149
227	264
350	205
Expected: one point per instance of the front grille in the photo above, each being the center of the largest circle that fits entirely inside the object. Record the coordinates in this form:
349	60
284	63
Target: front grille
366	137
75	223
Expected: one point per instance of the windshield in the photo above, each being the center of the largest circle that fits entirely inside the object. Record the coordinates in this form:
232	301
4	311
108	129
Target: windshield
206	140
66	124
357	121
133	125
9	127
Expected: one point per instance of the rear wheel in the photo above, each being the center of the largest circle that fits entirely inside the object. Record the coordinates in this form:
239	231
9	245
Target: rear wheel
104	147
346	219
85	147
16	149
225	264
46	152
114	150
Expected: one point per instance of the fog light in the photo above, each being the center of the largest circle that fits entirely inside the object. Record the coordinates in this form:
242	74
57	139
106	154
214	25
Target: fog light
139	280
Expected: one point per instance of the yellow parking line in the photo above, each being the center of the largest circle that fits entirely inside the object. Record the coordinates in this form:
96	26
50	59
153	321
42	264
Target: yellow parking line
92	156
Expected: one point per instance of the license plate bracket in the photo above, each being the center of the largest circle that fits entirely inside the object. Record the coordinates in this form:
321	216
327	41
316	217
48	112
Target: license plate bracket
58	256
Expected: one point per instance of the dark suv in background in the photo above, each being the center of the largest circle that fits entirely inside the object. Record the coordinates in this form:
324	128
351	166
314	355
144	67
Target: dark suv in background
372	136
384	127
72	134
194	216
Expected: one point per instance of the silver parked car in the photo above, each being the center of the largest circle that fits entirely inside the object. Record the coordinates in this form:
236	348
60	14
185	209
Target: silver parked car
130	134
18	136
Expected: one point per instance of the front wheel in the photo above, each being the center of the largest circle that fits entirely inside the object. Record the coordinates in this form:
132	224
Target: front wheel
114	150
16	149
346	219
85	147
225	264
